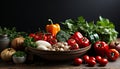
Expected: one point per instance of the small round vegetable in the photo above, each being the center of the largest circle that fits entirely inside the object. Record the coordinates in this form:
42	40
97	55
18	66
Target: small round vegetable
77	61
115	45
71	42
17	43
7	53
92	58
74	47
98	58
112	54
118	48
32	35
91	62
103	62
86	58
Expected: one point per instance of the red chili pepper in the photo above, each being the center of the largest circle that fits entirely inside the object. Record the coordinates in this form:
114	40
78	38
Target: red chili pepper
112	54
101	48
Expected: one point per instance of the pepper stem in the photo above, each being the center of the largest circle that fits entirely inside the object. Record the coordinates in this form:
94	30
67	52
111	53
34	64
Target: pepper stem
50	20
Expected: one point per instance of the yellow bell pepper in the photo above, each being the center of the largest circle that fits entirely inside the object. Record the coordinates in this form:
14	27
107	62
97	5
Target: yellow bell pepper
53	28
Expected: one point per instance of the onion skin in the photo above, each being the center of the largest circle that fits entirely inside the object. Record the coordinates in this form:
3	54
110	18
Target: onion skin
115	45
118	48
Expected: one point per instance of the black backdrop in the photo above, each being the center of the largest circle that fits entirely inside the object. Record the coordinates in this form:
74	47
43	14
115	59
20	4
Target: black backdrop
29	15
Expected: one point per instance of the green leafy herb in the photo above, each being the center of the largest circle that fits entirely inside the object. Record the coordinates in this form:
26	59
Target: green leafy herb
11	33
104	29
29	41
19	54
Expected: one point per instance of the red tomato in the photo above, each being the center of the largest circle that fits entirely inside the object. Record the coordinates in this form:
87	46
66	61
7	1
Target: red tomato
92	58
91	62
103	62
74	47
101	48
32	35
112	54
71	42
49	37
44	37
77	61
85	42
53	41
85	58
98	58
36	38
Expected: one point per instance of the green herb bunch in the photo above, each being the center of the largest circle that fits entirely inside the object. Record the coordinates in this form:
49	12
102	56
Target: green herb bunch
29	41
11	33
103	29
19	54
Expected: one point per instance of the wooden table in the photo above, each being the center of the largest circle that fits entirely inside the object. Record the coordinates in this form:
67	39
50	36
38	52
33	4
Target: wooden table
42	64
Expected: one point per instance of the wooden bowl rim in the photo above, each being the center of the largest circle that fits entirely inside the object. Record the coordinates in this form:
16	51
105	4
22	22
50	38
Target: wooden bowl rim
81	49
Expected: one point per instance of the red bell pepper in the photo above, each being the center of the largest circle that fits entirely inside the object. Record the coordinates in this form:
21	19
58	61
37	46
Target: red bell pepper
78	37
101	48
112	54
74	47
71	42
85	42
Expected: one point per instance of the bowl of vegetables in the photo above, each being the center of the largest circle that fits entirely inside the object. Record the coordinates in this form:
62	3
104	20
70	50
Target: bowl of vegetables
62	49
59	52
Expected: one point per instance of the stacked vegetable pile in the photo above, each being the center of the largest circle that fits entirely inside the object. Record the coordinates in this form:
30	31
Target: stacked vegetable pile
70	35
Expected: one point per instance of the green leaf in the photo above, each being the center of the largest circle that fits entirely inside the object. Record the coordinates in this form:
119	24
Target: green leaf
81	19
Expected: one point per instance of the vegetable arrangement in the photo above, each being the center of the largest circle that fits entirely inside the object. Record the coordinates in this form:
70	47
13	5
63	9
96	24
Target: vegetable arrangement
72	35
103	30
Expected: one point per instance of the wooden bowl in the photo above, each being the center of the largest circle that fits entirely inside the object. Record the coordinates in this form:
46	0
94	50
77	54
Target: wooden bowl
58	55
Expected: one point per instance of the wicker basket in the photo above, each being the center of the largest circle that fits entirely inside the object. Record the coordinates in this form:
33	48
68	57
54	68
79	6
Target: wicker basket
58	55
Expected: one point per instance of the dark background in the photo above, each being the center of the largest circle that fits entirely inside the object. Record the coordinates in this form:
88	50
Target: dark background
29	15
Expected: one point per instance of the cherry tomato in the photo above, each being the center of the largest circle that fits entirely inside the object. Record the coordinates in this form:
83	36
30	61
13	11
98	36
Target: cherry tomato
49	37
92	58
53	41
77	61
91	62
44	37
74	47
36	38
85	58
32	35
112	54
98	58
103	62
